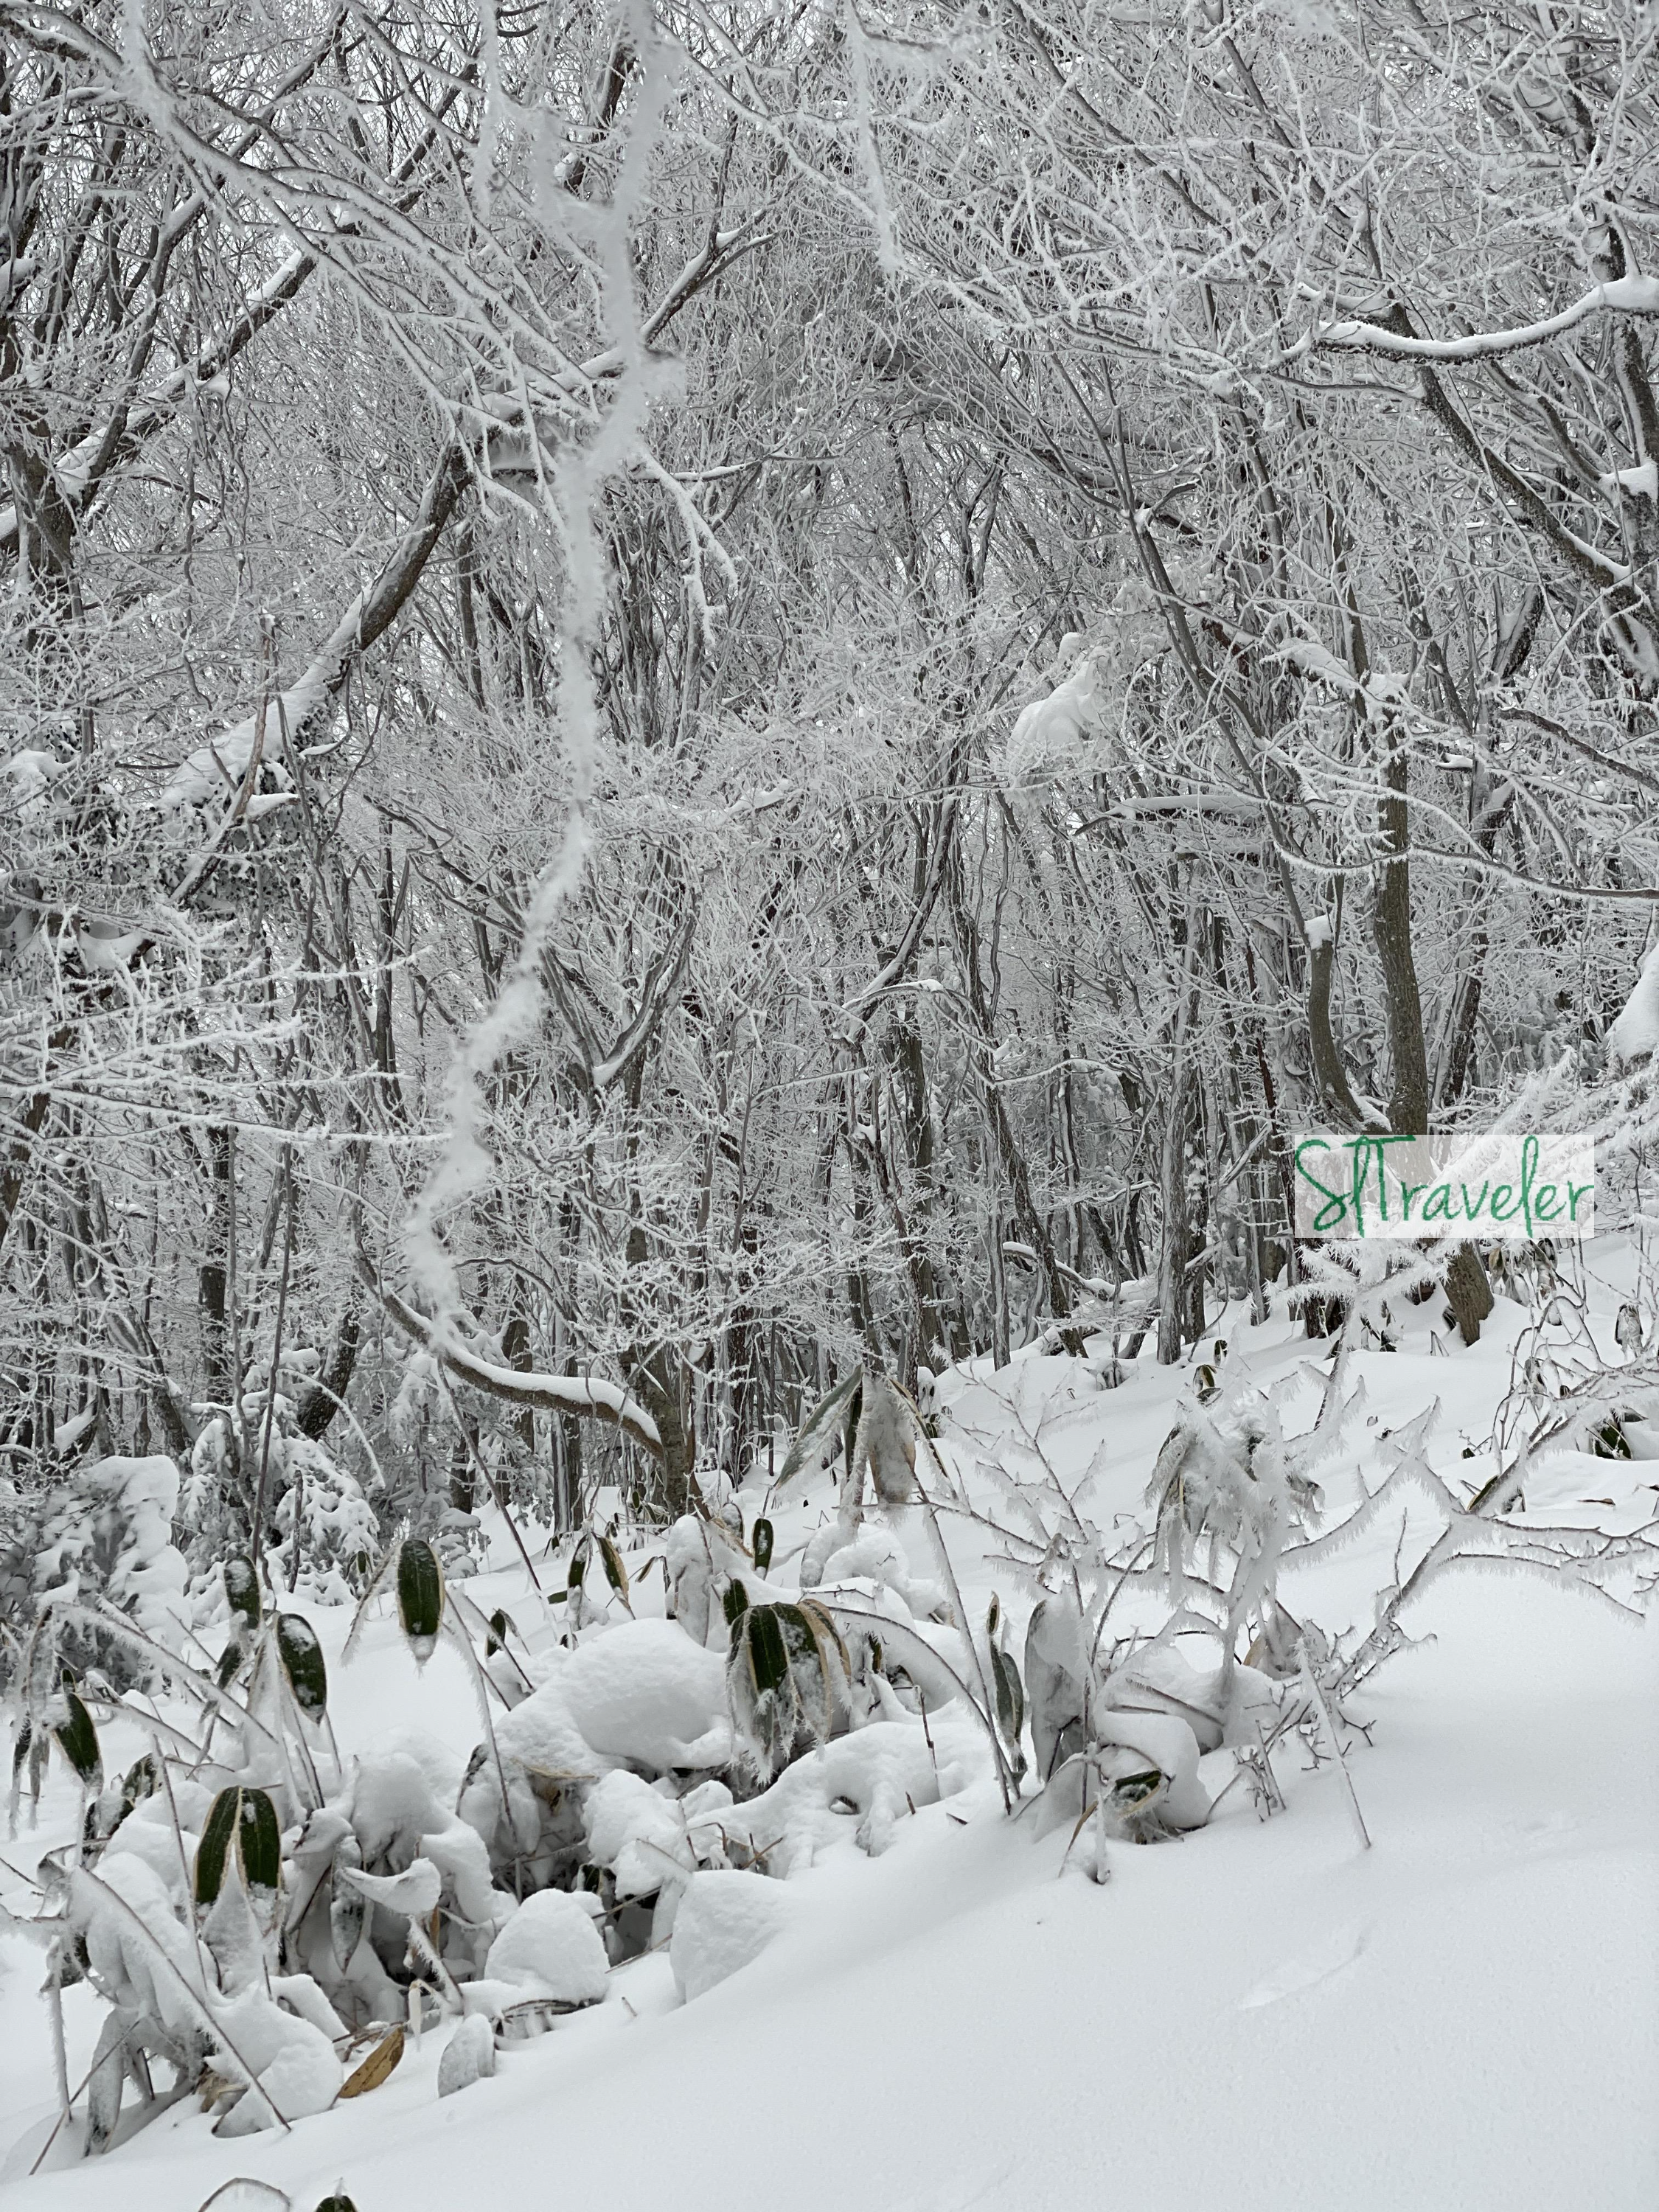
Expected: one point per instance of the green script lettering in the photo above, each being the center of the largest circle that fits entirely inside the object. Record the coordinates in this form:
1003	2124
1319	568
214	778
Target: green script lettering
1502	1210
1528	1169
1437	1206
1408	1191
1575	1192
1469	1211
1324	1218
1361	1149
1380	1145
1546	1205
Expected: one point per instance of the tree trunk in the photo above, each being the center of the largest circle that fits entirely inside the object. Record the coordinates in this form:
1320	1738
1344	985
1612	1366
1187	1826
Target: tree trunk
1469	1293
1408	1093
1172	1246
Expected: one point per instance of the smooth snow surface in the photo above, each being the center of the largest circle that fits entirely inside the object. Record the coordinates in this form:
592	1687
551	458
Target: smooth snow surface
938	2010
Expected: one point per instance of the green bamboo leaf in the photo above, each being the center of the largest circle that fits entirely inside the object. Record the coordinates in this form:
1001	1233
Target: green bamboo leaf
242	1588
242	1821
143	1779
501	1626
736	1601
338	2202
821	1622
1009	1700
77	1739
761	1546
218	1838
301	1655
994	1616
809	1669
259	1840
767	1653
420	1596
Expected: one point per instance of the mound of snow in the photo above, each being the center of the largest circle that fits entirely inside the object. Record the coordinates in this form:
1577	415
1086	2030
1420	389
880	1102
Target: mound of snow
859	1787
637	1833
725	1919
550	1948
646	1692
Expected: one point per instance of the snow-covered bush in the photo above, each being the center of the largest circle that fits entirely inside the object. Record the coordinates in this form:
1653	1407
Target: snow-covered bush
304	1489
105	1530
249	1907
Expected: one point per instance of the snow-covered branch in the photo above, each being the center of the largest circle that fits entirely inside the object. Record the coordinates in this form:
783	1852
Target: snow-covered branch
1625	295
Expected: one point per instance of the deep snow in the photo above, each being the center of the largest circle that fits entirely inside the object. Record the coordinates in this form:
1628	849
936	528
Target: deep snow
1260	2014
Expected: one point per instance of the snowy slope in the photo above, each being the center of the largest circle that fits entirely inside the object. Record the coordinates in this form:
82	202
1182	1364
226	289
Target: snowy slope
1262	2013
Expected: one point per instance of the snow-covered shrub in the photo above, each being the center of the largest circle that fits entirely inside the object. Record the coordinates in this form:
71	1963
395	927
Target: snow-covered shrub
337	1533
105	1530
305	1489
109	1529
787	1675
643	1782
549	1950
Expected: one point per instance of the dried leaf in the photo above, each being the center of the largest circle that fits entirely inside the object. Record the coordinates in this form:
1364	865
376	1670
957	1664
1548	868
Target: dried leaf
615	1573
374	2069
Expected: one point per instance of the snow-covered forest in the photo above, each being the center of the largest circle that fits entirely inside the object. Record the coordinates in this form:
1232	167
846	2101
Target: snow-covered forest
715	721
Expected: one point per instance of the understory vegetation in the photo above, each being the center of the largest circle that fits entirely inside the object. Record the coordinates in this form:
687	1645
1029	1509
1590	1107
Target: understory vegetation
714	722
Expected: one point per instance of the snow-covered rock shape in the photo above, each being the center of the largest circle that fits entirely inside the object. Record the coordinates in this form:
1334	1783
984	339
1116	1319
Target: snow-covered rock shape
1635	1034
469	2055
294	2063
644	1694
725	1919
550	1948
859	1788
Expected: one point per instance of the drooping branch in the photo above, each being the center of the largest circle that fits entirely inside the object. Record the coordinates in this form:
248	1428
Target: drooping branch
587	1396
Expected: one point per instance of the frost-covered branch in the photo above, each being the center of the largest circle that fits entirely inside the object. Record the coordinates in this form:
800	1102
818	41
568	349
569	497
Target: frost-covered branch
1625	295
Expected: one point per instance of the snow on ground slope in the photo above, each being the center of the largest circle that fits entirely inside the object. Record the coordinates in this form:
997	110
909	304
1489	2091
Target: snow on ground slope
1262	2013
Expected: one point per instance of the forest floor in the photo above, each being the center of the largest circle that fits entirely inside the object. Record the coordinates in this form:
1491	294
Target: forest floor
1264	2013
